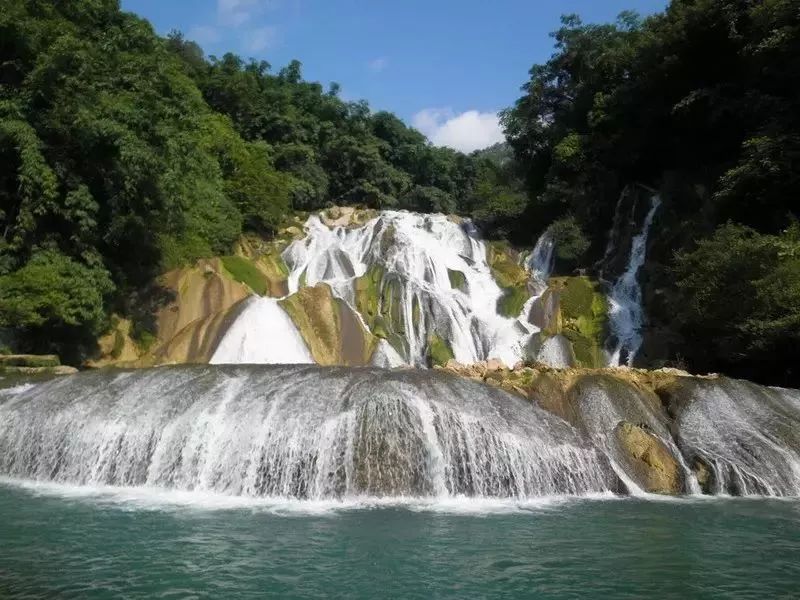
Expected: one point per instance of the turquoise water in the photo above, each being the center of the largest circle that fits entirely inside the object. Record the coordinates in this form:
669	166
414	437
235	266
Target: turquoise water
73	543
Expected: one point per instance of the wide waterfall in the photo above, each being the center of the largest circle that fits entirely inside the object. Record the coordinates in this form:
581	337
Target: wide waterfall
626	315
418	255
294	432
306	432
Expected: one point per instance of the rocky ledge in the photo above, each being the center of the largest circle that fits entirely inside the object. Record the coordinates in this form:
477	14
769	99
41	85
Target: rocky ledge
33	364
633	413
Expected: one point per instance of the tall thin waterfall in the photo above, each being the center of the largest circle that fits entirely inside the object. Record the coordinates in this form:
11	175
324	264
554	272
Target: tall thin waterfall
418	256
294	432
541	259
626	315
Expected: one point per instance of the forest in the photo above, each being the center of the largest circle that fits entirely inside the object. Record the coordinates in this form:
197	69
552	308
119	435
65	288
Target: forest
125	154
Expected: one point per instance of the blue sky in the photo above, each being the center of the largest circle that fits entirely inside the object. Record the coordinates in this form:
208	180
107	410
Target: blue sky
446	67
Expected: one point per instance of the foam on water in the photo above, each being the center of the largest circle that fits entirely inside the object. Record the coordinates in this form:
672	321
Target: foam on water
157	499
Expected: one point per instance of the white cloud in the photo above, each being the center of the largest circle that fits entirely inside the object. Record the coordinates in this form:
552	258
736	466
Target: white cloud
468	131
376	65
234	13
258	40
203	34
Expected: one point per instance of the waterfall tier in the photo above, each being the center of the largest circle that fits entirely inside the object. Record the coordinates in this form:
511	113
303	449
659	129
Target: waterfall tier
310	432
299	432
413	279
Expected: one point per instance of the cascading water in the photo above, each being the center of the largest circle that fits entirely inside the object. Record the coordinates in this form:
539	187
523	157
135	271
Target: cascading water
746	436
626	315
417	255
601	405
294	432
262	334
540	262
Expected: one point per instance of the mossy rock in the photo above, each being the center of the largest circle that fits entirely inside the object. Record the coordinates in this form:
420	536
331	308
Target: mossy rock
379	301
30	361
648	460
439	351
510	276
458	281
368	294
332	331
244	271
546	313
583	317
272	265
512	301
505	267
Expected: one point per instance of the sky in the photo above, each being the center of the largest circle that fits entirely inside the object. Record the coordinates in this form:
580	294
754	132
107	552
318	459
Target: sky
443	66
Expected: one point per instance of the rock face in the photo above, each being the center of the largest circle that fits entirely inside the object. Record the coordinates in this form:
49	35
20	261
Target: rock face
623	411
648	460
332	331
576	308
510	276
202	302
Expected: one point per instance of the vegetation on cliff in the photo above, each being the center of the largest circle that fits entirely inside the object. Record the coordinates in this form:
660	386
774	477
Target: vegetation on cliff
702	104
126	155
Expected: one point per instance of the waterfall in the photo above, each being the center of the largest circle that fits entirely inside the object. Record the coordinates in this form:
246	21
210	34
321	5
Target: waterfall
626	315
747	436
601	404
418	255
303	432
262	334
540	262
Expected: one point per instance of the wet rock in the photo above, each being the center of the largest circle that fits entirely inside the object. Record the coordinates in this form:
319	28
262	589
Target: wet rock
648	460
332	331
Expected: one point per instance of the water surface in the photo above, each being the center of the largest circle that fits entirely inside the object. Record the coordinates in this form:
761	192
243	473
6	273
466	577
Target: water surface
62	542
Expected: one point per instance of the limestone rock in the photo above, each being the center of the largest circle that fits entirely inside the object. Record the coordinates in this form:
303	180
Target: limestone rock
648	460
29	360
495	364
332	331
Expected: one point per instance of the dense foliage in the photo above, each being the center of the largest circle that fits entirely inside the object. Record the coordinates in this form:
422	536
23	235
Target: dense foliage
701	102
125	154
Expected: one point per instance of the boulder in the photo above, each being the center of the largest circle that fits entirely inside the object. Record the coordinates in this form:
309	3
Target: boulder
29	360
648	460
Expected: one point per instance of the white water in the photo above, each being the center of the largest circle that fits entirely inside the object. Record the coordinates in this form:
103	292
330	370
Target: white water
262	334
626	315
542	258
302	433
416	251
601	405
749	436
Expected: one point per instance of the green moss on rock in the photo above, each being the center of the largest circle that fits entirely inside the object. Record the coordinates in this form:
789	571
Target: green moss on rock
33	361
244	271
510	276
439	350
584	317
458	281
368	294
